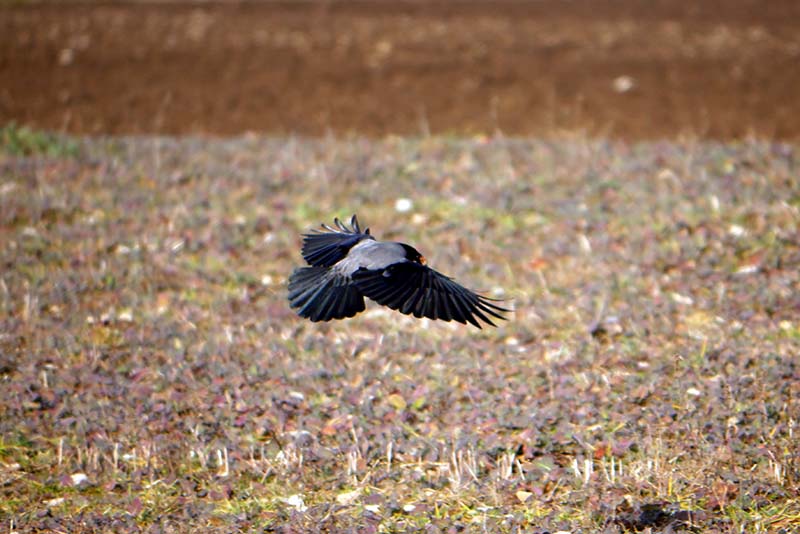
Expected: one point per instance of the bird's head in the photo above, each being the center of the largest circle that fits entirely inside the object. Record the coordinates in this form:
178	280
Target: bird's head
413	254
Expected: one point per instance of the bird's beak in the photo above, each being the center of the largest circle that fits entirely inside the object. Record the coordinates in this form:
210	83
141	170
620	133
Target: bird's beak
422	260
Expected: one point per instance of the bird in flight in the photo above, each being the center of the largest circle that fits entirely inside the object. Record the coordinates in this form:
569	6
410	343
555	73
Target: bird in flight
346	265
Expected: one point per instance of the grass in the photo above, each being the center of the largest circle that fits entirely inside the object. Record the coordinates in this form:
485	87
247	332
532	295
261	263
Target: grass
23	141
154	377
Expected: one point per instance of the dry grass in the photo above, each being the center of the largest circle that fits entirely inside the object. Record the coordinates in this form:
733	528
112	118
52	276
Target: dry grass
153	376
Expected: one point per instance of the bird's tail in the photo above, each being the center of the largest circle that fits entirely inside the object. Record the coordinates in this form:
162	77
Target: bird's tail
319	294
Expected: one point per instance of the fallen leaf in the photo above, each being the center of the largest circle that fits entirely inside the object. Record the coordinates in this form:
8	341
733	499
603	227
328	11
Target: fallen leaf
397	401
348	497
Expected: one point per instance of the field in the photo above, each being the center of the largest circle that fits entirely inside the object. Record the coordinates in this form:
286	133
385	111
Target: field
154	379
154	375
631	69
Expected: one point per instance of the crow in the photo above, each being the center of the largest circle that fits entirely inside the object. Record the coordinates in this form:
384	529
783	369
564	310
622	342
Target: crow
346	265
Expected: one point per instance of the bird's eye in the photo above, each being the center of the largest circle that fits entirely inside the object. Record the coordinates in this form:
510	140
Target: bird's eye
422	259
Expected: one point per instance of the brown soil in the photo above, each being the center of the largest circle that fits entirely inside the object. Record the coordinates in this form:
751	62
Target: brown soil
624	68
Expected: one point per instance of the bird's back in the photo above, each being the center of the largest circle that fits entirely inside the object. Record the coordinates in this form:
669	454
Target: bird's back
372	255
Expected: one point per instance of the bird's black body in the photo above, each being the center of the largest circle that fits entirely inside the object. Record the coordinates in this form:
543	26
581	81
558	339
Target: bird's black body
346	265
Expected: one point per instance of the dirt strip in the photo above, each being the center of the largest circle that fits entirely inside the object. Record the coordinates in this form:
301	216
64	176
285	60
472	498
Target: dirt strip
633	69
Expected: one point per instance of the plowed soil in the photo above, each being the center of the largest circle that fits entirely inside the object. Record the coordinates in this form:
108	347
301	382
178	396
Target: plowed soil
633	69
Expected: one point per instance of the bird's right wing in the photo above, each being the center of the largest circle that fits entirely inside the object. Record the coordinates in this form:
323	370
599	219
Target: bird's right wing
326	247
418	290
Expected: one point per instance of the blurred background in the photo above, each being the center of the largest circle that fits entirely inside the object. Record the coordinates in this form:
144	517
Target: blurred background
630	69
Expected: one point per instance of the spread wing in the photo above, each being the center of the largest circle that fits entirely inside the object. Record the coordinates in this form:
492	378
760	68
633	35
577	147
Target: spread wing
327	247
417	290
321	294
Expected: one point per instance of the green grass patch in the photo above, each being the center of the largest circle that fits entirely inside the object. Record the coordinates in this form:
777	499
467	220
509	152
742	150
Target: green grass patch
18	140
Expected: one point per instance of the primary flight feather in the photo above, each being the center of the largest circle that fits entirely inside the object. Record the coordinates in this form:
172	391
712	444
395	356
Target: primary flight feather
347	264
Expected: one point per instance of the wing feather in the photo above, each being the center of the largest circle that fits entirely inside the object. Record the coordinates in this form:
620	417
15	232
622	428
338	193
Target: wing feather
321	295
326	247
415	289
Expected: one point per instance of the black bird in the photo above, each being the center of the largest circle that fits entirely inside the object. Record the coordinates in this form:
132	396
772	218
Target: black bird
347	265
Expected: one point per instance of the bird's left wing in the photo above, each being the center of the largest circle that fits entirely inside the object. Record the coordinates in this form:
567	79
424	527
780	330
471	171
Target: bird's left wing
328	246
418	290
